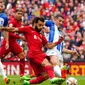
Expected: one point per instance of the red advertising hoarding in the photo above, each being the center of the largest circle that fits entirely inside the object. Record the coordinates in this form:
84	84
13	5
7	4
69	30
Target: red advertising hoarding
77	68
12	68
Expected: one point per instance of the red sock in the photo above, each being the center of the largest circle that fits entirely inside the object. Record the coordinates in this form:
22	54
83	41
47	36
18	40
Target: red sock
50	71
22	67
37	80
64	72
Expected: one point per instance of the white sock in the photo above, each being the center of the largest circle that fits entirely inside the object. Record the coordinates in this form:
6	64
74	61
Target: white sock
61	65
2	71
57	71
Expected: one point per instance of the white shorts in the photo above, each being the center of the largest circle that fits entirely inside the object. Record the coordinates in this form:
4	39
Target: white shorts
51	52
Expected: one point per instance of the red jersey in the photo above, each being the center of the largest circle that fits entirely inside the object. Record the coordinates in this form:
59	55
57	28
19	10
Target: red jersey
35	41
13	23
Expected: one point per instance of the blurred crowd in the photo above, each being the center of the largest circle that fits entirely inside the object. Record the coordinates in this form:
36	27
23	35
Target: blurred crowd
73	26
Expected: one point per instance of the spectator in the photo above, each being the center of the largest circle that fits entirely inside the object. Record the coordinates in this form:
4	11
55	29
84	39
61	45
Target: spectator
72	10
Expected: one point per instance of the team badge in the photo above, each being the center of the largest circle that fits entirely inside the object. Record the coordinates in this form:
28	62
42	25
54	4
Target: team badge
10	25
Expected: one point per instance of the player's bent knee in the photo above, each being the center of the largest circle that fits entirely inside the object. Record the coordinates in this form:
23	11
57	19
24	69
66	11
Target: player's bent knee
22	55
45	62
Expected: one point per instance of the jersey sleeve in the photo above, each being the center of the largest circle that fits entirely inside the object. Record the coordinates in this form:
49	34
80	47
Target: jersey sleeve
48	23
11	23
24	29
15	35
44	41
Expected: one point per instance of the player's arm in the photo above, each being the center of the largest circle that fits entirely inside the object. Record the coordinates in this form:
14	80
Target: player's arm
70	51
6	34
18	36
23	29
10	29
51	45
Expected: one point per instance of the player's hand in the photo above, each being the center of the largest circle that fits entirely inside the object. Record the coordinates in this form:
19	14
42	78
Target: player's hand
61	39
22	55
7	46
74	53
22	37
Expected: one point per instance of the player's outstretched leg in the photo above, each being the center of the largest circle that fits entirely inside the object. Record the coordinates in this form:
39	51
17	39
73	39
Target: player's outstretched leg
22	66
37	81
6	80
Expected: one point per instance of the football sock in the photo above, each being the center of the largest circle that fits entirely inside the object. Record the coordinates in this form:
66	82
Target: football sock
37	80
57	71
64	73
22	67
2	70
50	71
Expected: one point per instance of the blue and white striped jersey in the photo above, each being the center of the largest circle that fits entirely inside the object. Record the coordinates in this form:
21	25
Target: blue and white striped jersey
3	21
54	34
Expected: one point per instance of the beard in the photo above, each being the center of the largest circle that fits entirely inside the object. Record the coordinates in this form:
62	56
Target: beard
37	29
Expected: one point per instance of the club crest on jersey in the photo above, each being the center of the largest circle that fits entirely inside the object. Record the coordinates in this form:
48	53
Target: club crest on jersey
35	37
10	25
1	22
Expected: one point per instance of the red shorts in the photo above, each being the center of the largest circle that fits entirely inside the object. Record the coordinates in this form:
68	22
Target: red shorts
14	47
36	63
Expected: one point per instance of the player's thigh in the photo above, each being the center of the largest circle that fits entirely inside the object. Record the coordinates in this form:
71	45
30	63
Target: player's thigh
54	60
3	50
16	48
46	62
21	55
39	58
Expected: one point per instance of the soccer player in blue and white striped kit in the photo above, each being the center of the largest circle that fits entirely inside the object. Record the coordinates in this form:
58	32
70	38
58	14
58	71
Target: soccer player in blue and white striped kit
54	35
55	32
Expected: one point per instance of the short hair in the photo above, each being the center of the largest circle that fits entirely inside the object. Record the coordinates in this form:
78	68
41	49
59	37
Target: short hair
18	10
36	19
58	15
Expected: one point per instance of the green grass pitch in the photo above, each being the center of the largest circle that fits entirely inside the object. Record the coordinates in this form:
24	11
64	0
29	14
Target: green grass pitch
81	80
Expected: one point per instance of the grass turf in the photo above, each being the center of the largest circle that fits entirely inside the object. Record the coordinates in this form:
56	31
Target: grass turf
81	80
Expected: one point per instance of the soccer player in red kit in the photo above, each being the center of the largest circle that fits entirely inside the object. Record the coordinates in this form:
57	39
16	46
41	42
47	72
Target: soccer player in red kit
14	47
3	22
38	59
